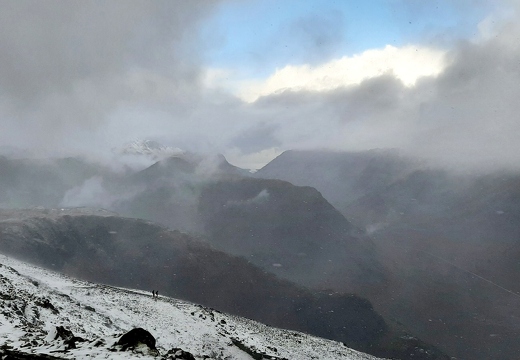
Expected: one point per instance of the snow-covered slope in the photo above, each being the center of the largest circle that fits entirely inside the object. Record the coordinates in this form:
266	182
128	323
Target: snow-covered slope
35	303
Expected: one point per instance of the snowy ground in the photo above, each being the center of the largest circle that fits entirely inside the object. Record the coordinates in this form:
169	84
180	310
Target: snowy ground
34	301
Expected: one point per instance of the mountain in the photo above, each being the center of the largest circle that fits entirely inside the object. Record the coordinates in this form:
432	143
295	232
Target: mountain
100	247
149	148
289	230
46	315
269	222
447	240
315	244
340	177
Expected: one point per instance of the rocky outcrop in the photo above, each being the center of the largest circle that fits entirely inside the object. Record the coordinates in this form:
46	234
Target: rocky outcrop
68	337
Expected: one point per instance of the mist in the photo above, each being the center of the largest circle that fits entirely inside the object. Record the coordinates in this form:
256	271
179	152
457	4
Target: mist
69	69
83	78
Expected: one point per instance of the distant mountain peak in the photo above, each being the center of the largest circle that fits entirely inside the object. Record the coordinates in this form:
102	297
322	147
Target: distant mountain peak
149	148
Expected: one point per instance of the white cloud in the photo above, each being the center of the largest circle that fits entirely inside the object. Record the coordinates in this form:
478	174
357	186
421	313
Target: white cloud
406	63
90	193
261	197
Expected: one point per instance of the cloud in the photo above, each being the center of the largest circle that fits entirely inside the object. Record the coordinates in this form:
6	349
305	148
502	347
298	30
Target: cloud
253	161
406	63
465	117
258	199
256	138
67	66
90	193
88	76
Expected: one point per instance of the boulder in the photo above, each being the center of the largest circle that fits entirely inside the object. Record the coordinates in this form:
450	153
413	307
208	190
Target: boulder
178	354
68	337
135	337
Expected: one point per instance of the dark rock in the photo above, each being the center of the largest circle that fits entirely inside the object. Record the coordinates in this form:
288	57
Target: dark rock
135	337
68	337
178	354
46	304
99	342
8	354
62	333
255	354
6	296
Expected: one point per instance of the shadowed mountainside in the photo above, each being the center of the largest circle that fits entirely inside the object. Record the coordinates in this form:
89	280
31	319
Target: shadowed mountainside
289	230
449	242
134	253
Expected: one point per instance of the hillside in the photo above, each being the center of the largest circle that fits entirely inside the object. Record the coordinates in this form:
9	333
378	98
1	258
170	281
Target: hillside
290	231
447	240
269	222
340	177
100	247
46	313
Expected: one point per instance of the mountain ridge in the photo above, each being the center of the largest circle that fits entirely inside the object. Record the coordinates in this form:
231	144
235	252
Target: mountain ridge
448	240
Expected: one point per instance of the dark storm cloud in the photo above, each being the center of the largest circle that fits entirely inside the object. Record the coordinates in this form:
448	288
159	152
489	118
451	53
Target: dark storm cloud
47	46
373	96
67	64
472	113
